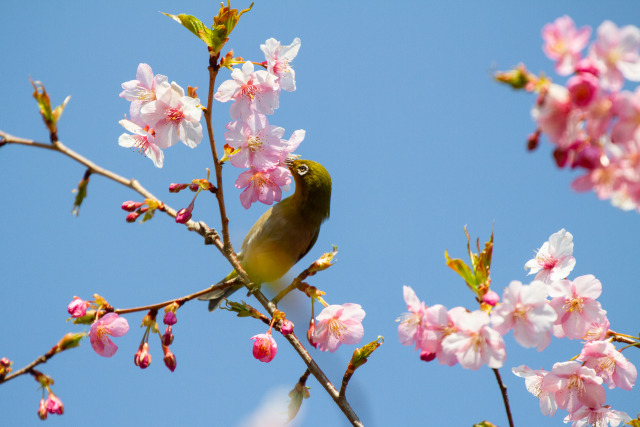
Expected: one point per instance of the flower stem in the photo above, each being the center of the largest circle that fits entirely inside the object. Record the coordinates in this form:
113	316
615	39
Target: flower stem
505	398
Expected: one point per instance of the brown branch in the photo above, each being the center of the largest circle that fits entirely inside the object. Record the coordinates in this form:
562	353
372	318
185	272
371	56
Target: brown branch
199	227
218	286
213	72
505	398
58	348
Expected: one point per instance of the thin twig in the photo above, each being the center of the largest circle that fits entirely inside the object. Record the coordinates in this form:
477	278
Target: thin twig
199	227
218	286
29	368
213	72
505	398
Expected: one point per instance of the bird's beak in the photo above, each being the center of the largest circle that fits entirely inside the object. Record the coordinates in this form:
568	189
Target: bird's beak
290	159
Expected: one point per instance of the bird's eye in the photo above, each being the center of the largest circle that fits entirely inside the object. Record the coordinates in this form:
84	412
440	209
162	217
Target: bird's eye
302	170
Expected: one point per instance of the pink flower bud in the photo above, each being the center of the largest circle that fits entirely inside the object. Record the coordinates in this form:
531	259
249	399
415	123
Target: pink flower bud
175	188
167	338
183	216
194	187
54	405
142	358
131	206
264	347
583	89
426	356
42	410
77	307
170	318
132	217
491	298
311	332
169	359
286	327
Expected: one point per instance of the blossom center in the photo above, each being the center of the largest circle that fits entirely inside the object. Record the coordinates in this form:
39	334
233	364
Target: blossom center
548	262
520	312
249	90
337	329
262	181
572	304
254	143
103	333
606	364
144	94
175	115
575	385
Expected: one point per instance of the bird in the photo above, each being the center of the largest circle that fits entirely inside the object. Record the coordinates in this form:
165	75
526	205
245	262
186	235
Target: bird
286	232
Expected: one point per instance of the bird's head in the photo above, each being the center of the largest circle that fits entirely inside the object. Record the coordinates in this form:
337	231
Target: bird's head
313	185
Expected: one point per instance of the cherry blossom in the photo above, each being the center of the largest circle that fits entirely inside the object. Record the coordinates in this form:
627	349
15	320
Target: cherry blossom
440	323
108	325
54	405
174	116
412	324
597	417
627	108
533	382
264	185
524	309
278	59
143	139
615	53
338	324
584	89
142	90
574	386
258	142
563	43
264	347
576	305
609	364
253	92
554	260
552	113
476	343
77	307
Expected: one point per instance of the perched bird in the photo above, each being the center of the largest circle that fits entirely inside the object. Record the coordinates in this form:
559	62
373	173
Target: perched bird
286	232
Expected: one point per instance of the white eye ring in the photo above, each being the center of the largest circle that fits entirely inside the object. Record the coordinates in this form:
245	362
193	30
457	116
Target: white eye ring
302	170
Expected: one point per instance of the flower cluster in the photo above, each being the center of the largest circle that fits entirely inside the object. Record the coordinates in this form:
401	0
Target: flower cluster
593	123
160	115
251	142
550	306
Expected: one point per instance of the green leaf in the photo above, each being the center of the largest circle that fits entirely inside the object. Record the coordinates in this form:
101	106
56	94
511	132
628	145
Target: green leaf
194	25
81	192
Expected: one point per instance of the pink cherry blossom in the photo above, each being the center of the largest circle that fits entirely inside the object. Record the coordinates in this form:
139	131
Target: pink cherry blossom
440	323
491	298
278	61
253	92
476	343
615	53
524	309
174	116
576	305
143	140
533	382
412	324
142	90
627	107
583	89
563	43
597	331
552	114
77	307
262	185
264	347
108	325
574	386
338	324
54	405
259	142
554	260
609	364
597	417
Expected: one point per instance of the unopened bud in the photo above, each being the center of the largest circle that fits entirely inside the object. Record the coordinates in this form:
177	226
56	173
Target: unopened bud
169	358
132	217
286	327
142	358
167	338
131	206
42	410
183	216
310	333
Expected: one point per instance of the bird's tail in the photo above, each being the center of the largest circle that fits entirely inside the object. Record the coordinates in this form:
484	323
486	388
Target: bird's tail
216	297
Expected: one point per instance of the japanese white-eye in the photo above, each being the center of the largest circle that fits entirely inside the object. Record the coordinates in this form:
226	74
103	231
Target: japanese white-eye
286	232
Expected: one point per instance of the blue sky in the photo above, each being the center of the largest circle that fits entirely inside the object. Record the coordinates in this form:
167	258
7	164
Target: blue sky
397	102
